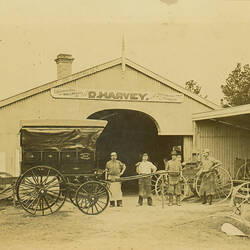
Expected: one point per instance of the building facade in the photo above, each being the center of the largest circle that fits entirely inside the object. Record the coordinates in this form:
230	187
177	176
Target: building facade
146	112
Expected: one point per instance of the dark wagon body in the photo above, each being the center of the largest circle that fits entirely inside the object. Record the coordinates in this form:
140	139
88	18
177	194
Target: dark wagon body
68	147
59	162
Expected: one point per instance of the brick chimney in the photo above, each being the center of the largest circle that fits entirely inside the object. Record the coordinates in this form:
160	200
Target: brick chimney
64	65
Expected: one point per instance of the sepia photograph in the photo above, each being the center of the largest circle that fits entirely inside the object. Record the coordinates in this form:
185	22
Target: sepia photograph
125	125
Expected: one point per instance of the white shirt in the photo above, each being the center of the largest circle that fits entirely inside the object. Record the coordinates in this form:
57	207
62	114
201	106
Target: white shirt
145	167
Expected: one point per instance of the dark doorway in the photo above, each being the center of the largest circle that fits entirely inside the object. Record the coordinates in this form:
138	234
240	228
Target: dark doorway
130	134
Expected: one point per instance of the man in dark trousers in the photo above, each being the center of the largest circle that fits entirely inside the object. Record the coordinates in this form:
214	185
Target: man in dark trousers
174	176
145	167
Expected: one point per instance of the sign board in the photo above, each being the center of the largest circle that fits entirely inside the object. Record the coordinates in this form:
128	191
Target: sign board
111	95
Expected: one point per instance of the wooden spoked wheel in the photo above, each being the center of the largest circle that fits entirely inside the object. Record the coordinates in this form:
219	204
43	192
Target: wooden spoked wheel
245	212
243	172
223	184
241	200
153	183
162	185
41	190
92	197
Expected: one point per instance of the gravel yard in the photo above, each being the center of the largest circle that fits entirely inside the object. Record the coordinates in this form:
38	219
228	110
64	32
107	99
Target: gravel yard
191	226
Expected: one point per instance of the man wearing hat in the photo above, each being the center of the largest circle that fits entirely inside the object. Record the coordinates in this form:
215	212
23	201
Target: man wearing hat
207	172
174	175
145	167
114	169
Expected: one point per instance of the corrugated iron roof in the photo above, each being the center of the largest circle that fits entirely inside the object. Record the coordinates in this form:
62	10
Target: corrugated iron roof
237	116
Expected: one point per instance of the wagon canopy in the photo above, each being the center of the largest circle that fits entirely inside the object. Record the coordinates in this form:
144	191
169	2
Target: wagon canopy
60	135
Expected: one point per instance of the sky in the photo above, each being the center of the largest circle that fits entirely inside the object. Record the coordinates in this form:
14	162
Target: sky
181	40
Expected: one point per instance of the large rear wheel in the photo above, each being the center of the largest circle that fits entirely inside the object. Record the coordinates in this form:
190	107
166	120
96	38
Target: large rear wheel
41	190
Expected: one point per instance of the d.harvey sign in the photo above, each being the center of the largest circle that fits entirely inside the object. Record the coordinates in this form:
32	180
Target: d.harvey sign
111	95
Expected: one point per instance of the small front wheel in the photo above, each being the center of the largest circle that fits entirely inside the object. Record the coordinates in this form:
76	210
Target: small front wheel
92	197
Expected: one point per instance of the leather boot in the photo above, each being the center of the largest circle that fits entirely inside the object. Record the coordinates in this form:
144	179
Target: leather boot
204	199
150	202
119	203
112	204
210	199
178	200
170	198
140	201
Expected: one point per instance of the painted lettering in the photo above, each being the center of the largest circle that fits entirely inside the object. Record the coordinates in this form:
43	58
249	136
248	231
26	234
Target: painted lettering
91	94
133	96
111	95
118	95
142	96
125	95
102	94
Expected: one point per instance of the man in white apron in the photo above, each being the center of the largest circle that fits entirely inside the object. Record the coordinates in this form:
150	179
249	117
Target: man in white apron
114	169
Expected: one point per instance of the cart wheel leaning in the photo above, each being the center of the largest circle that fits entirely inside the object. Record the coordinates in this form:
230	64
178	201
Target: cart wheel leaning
243	172
162	184
92	197
41	190
153	183
223	185
241	200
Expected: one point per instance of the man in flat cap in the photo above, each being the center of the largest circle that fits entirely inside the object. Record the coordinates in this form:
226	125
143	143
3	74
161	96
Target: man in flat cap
114	169
207	172
174	175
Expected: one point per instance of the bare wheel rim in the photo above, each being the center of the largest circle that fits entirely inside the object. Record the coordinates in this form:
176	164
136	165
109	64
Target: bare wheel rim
162	184
241	200
243	172
41	190
153	183
92	198
223	185
245	212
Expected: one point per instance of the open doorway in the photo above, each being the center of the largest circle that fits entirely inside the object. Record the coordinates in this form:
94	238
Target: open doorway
131	133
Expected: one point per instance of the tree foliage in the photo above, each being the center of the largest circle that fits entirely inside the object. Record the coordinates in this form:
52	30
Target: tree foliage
194	87
237	88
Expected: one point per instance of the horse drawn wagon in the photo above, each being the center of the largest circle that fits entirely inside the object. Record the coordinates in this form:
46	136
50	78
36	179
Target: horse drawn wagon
59	163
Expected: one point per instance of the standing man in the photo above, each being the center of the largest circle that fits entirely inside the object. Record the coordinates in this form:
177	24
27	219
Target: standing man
207	174
145	167
174	169
114	169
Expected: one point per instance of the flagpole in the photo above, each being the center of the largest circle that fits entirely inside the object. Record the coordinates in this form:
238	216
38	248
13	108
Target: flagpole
123	53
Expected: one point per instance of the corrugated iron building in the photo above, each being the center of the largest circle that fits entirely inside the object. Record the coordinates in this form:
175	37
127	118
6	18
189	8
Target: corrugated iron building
226	132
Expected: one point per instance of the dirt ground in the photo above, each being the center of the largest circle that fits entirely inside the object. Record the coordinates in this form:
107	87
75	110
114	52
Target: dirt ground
191	226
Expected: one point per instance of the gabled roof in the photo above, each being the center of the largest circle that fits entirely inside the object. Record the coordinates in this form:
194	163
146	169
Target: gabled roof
99	68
